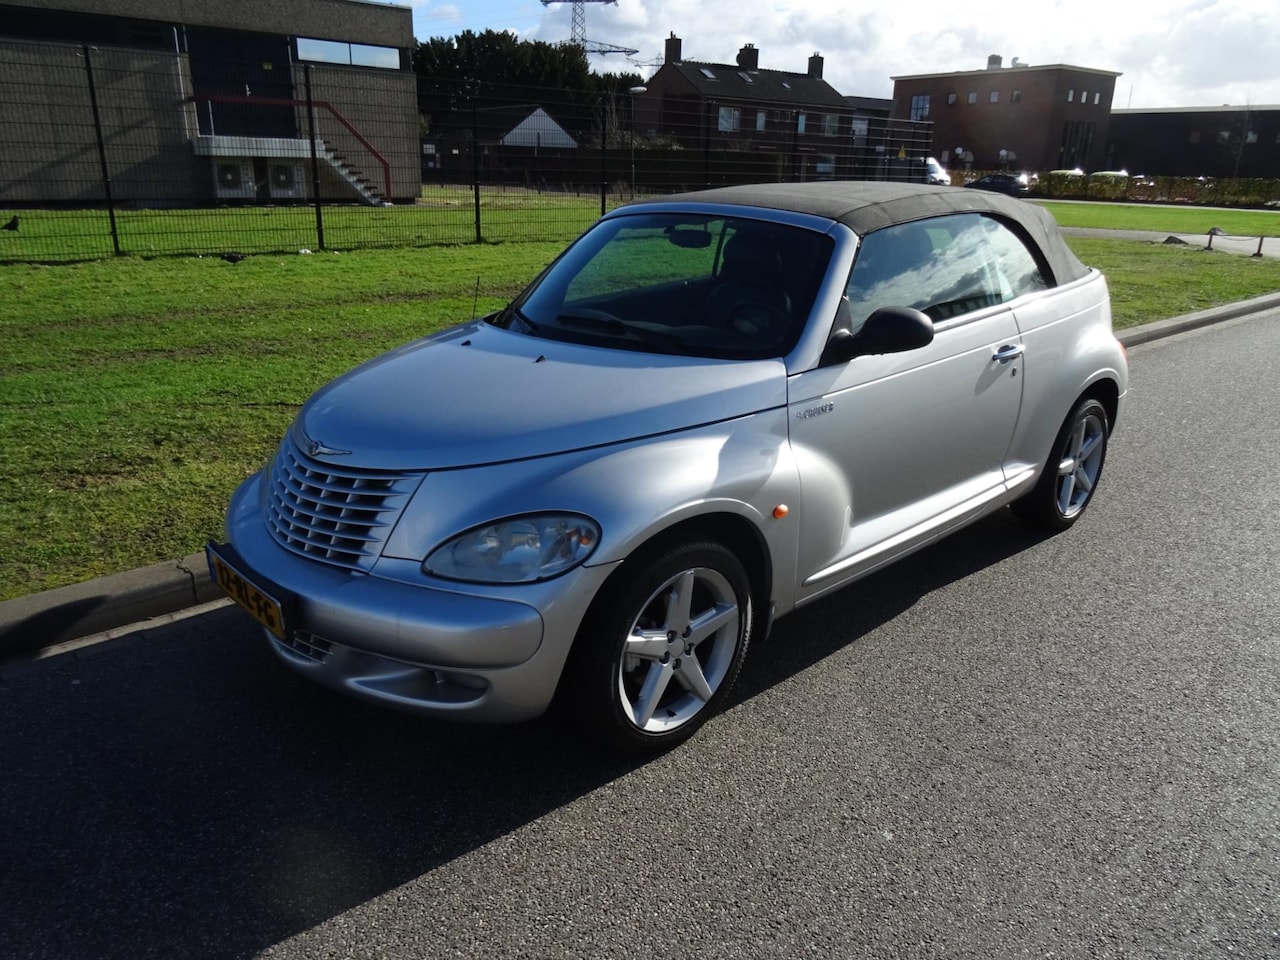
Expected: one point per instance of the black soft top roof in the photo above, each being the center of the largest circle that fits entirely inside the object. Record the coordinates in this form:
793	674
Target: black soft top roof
865	205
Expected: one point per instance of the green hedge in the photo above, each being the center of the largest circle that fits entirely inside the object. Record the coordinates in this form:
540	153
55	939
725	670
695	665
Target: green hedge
1234	192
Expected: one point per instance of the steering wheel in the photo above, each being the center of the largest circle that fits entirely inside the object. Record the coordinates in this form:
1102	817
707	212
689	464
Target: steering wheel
752	318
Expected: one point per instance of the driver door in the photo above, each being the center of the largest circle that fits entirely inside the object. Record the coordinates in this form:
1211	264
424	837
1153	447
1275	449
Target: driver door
895	450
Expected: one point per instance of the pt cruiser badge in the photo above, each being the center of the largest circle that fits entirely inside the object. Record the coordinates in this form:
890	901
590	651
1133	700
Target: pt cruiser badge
817	411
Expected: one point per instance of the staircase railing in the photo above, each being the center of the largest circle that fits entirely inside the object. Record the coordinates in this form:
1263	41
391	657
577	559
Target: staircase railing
322	104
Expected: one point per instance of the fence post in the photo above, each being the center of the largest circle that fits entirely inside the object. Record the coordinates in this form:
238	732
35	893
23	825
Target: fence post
315	160
604	154
706	144
795	146
471	88
102	149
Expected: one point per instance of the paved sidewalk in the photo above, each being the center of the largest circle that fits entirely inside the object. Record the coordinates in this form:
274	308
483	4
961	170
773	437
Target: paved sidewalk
46	624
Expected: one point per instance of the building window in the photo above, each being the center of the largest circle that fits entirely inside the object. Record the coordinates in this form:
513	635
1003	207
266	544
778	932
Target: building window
352	54
1251	136
993	96
761	121
824	165
800	122
951	99
1071	96
1224	136
1084	96
1096	97
860	127
706	72
830	124
730	119
1015	97
920	106
1195	136
972	97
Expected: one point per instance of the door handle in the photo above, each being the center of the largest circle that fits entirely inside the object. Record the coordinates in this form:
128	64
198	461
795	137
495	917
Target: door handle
1010	351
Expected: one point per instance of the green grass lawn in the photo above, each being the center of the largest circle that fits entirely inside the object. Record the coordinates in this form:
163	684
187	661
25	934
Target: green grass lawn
443	215
1151	281
1165	219
135	394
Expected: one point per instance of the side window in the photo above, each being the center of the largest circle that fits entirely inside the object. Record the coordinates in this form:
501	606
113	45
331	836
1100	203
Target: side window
892	269
1018	271
943	266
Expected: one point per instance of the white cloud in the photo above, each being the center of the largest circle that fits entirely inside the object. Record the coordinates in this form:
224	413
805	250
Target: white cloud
1172	53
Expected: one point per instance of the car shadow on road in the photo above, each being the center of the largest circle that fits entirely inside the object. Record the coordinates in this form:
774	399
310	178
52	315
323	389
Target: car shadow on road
806	637
181	794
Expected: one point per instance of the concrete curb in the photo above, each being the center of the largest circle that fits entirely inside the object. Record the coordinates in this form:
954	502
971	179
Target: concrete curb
1192	321
31	624
41	620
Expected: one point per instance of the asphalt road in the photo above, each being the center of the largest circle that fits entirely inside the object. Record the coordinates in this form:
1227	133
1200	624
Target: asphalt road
1005	746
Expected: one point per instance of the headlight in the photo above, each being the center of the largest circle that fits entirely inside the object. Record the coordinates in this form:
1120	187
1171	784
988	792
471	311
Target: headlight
518	550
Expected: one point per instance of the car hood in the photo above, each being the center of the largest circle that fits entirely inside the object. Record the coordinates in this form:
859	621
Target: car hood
480	394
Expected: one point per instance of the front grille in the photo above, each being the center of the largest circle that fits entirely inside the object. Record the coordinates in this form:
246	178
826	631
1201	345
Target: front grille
338	515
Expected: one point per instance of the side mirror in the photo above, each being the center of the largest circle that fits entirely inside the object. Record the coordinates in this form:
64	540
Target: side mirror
887	330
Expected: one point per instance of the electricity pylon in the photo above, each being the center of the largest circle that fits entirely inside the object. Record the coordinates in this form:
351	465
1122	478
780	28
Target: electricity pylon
578	29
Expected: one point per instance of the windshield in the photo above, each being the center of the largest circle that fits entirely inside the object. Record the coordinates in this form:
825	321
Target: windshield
696	285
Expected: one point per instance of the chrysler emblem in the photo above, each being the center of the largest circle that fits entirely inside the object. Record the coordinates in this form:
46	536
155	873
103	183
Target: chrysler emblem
315	448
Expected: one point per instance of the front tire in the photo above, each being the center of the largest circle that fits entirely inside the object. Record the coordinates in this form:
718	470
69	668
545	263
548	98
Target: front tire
660	649
1071	474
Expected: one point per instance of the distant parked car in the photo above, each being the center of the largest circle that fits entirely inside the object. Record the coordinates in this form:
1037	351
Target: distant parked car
711	410
936	173
1013	184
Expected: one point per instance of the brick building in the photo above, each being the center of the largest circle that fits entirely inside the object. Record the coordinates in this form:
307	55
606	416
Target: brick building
812	130
1019	117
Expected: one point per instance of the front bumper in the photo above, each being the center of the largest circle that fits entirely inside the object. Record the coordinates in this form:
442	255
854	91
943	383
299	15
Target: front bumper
395	637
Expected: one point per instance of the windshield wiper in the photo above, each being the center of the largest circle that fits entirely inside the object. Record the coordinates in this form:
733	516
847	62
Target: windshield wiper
604	323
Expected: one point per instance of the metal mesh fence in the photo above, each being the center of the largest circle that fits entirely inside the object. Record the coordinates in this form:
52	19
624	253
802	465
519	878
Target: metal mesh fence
174	150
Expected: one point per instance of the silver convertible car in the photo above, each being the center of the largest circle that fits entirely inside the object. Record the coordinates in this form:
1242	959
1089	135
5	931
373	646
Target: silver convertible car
710	410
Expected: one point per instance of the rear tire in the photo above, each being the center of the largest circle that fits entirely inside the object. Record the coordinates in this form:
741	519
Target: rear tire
659	651
1070	476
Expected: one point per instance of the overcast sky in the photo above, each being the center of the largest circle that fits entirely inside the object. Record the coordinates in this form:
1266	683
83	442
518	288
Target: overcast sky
1172	53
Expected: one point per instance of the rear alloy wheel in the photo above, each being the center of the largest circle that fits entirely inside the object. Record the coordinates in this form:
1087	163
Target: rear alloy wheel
658	655
1072	472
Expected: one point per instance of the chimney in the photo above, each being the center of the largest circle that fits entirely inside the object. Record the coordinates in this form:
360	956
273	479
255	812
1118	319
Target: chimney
673	49
994	61
815	66
749	57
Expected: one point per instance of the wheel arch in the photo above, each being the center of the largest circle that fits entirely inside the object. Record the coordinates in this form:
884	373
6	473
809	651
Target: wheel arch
734	531
1107	392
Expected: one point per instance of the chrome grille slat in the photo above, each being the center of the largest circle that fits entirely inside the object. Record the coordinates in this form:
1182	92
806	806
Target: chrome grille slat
338	515
329	526
346	489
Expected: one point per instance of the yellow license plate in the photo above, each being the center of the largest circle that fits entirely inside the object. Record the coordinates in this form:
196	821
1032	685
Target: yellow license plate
262	606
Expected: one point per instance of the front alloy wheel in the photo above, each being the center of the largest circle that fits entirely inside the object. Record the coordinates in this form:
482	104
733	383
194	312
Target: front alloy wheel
659	653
